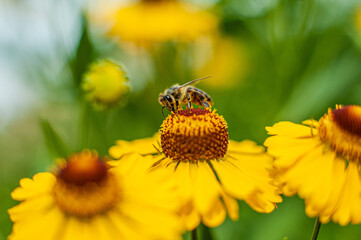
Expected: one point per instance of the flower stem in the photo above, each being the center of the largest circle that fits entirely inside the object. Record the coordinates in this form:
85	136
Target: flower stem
194	235
316	229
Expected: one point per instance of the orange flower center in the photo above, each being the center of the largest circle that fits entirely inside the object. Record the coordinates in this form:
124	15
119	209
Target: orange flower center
84	186
342	129
194	134
349	119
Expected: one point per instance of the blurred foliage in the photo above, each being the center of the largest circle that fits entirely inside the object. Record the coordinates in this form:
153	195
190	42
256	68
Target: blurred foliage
84	55
303	56
54	143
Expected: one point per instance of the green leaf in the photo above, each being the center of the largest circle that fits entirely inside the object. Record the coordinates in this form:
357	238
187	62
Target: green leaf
83	56
54	143
317	90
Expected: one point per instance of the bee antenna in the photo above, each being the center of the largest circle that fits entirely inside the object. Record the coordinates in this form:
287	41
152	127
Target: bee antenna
195	80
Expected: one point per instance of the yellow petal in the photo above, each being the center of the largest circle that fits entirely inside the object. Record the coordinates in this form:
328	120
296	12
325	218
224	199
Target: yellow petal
182	178
336	184
132	163
215	215
156	188
189	216
286	128
142	146
207	188
105	227
243	174
77	229
125	226
348	209
47	224
323	183
289	150
306	178
40	184
150	218
231	206
258	202
39	205
234	180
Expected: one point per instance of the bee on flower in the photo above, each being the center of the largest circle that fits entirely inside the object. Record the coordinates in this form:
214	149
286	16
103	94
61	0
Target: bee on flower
210	171
174	97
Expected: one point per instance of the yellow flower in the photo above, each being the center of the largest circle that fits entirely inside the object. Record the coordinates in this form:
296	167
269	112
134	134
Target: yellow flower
358	19
320	161
88	198
106	84
210	171
156	21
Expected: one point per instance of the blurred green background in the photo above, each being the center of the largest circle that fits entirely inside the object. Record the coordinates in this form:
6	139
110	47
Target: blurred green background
287	60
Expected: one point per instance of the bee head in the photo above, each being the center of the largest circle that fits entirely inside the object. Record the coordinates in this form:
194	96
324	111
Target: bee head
167	101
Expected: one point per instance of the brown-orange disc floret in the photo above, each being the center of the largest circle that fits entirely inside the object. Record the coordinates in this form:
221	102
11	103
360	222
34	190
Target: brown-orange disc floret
84	186
193	135
341	128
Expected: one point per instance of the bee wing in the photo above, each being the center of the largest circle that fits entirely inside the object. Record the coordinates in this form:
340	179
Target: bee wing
196	80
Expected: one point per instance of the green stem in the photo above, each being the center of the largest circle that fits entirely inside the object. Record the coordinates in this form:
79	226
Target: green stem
316	229
84	126
206	233
194	235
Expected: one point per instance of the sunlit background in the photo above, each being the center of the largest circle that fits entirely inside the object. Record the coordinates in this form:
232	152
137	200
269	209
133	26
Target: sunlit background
270	60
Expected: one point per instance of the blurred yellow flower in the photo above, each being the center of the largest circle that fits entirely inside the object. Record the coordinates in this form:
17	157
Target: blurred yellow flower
225	59
358	19
106	84
210	171
156	21
88	198
320	161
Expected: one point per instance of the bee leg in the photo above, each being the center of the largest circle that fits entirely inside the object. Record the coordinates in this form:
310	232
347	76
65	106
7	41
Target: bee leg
189	103
176	105
203	98
206	104
163	112
176	113
175	110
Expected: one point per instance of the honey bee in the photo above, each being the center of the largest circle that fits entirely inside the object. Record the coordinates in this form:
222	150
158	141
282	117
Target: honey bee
175	96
